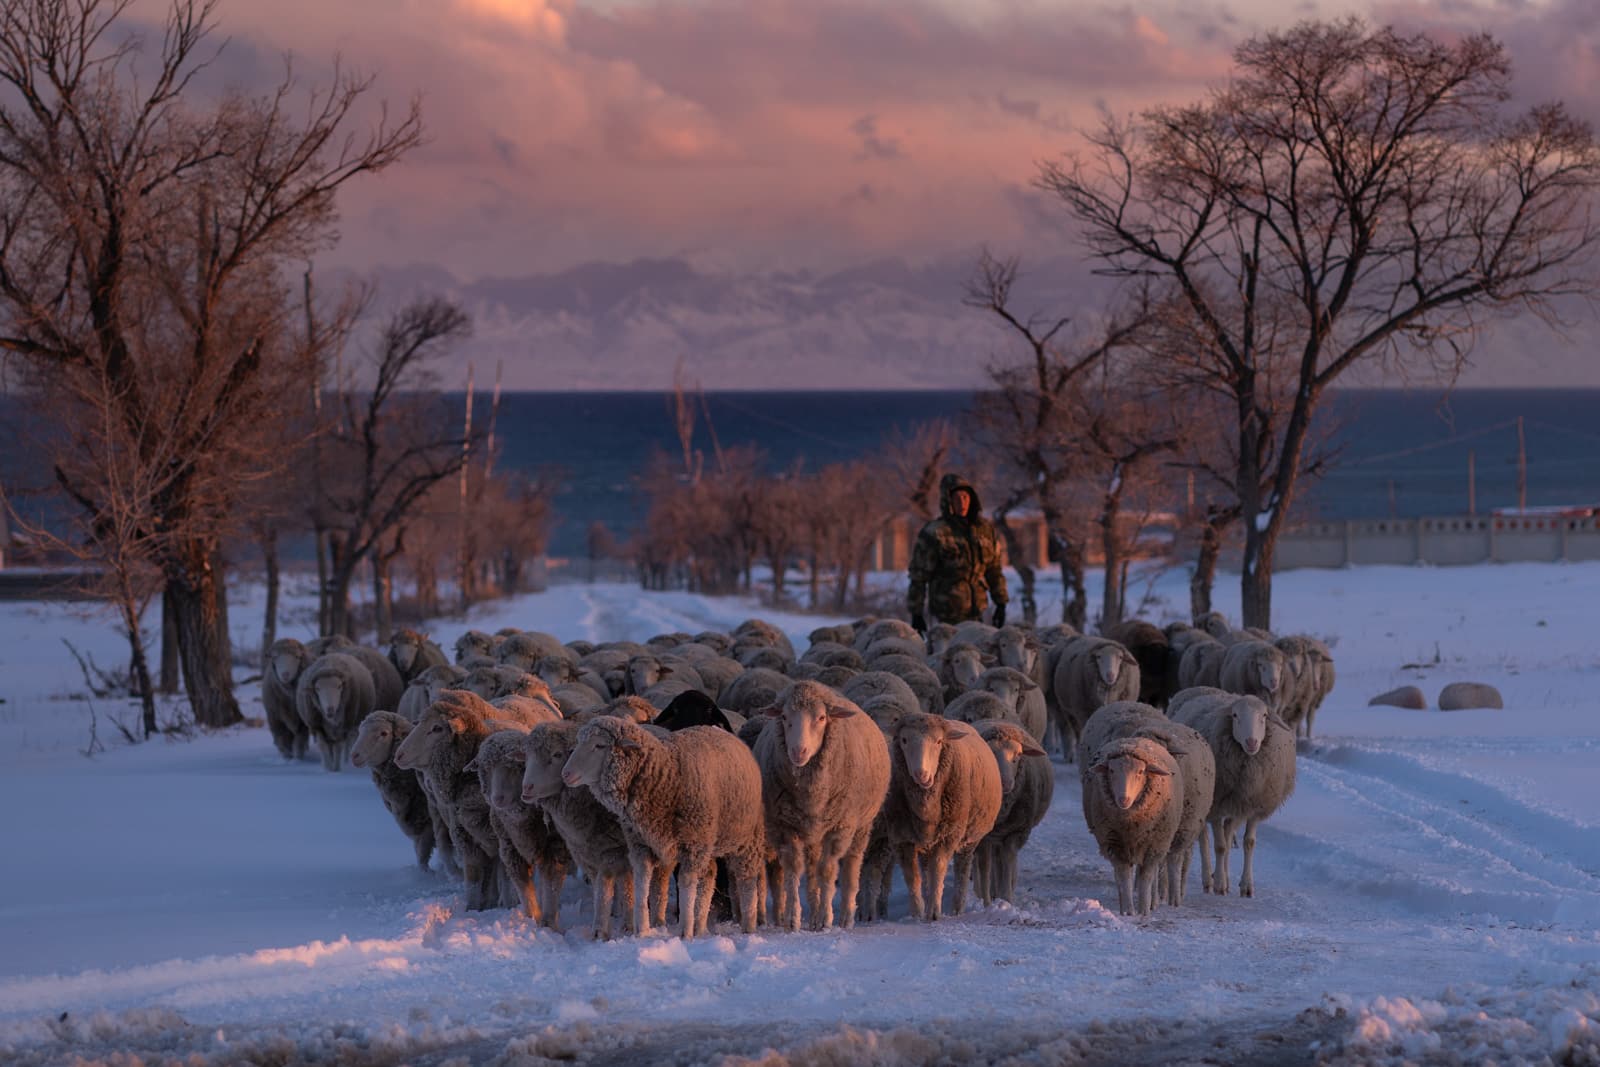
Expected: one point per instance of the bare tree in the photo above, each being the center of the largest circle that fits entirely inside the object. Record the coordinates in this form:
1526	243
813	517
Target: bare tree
141	229
1362	191
391	444
1026	418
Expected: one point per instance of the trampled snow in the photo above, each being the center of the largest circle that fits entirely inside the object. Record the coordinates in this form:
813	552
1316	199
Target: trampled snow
1430	894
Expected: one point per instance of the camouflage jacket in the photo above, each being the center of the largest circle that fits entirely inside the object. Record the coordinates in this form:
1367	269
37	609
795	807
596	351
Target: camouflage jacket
957	563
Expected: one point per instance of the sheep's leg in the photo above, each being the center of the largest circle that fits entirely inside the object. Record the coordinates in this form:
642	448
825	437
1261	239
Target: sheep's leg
442	842
791	856
748	872
643	883
1008	854
963	879
1203	846
1222	834
827	881
660	882
983	873
708	884
1247	879
885	883
777	914
605	889
850	879
912	872
933	885
1183	874
1174	882
423	844
691	871
555	880
522	877
1124	876
625	893
1149	875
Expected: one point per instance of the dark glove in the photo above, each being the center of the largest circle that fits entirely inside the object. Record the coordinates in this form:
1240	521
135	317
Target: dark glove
999	615
918	623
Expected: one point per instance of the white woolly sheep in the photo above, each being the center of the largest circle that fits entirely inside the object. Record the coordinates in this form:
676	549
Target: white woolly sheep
426	687
824	773
1133	804
593	835
523	650
974	632
412	653
1255	766
574	697
689	798
1258	669
532	854
474	643
285	661
332	696
754	689
387	685
401	790
871	685
1022	693
842	634
318	647
892	646
940	636
879	629
557	671
1027	784
1091	672
980	705
944	794
439	749
1201	665
763	632
920	677
960	667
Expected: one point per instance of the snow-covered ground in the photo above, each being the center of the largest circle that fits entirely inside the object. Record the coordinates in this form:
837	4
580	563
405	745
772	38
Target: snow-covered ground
1430	894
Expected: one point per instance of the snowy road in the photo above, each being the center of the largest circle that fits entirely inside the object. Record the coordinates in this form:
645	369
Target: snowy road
1431	892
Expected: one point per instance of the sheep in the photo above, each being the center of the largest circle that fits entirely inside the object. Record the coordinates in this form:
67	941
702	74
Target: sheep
1022	693
920	677
285	661
318	647
474	643
892	646
1125	719
426	687
1300	680
1321	659
754	689
1180	636
695	794
412	653
1149	646
574	697
960	667
1255	766
693	708
579	647
1257	668
1133	804
499	681
824	773
872	685
633	708
1091	672
764	656
1016	648
843	634
716	673
557	671
878	630
974	632
523	650
540	708
835	677
944	794
649	669
763	632
940	636
607	664
668	641
532	853
387	685
715	640
815	652
1202	663
1027	784
401	790
439	748
980	705
593	835
332	696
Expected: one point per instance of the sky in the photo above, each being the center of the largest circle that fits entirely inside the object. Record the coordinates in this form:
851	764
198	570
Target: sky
761	135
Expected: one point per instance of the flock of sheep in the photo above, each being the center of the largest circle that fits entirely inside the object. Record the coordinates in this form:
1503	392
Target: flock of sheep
734	762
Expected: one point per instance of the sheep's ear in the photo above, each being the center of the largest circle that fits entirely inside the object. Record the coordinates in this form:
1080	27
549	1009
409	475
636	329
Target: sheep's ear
1030	749
472	765
1158	771
1176	751
625	743
770	712
954	728
1100	767
840	711
1028	684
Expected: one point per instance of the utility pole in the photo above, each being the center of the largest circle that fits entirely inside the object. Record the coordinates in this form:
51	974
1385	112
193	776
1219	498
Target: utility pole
1522	468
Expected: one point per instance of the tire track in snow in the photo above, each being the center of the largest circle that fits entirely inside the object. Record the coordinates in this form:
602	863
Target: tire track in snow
1443	840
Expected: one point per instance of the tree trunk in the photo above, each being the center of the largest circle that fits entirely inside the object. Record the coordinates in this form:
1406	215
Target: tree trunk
1111	602
339	616
1074	597
1024	569
1205	570
816	582
269	626
382	599
323	550
138	662
169	645
427	582
200	618
1255	583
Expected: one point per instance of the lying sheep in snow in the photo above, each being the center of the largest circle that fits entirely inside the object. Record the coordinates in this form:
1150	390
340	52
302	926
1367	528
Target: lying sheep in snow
593	835
401	791
532	854
1255	764
332	696
824	774
285	661
944	794
688	798
1027	784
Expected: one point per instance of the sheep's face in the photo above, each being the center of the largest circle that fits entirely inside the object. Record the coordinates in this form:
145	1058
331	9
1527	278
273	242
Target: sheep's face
1013	650
481	682
329	692
425	740
594	750
552	670
1006	688
643	672
966	665
1214	624
517	655
1250	725
286	665
471	644
1008	756
1126	777
805	725
921	750
403	650
1108	665
502	783
1269	672
377	740
883	710
541	772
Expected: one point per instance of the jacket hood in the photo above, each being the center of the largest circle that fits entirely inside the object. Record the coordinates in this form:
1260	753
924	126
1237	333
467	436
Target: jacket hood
947	489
